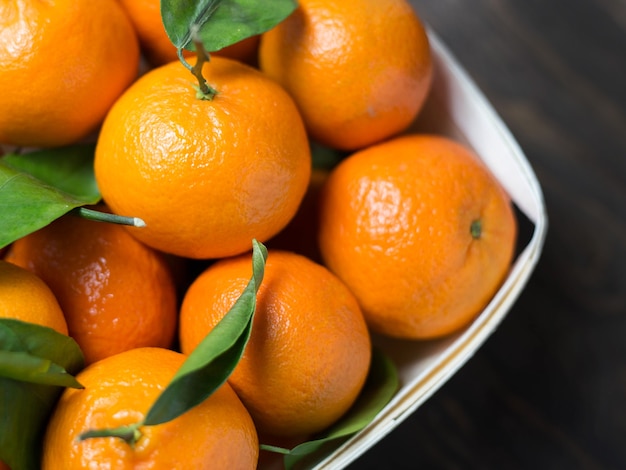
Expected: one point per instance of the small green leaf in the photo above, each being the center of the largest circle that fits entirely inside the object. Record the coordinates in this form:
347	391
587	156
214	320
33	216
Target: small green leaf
221	22
381	385
39	187
28	368
214	359
36	362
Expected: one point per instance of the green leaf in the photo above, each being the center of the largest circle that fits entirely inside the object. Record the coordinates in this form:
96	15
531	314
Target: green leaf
39	187
17	336
221	22
69	169
213	360
28	368
36	362
381	385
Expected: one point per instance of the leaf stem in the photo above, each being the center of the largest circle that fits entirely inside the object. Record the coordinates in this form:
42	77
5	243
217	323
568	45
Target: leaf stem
181	57
205	91
129	434
98	216
275	449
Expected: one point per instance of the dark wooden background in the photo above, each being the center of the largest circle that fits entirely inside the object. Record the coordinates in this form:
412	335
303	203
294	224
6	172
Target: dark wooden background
548	389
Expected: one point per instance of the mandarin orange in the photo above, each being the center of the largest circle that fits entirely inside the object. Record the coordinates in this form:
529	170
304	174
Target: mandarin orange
216	434
309	352
62	65
359	70
24	296
207	176
420	231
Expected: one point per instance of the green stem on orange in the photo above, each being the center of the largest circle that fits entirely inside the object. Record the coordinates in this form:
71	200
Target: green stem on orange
98	216
204	90
476	229
129	434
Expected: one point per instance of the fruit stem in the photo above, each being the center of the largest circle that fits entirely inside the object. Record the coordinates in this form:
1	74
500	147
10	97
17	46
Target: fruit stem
129	434
476	229
204	90
98	216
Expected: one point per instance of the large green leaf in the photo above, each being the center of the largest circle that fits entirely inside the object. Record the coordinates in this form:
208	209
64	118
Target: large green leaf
39	187
221	22
36	362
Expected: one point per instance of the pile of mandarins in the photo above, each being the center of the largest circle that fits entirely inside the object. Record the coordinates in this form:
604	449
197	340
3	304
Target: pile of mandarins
408	236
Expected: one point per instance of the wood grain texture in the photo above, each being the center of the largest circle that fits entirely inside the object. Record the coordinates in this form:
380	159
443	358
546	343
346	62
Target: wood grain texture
548	389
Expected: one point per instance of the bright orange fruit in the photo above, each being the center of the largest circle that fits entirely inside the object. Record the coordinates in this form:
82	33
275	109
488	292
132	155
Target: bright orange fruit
24	296
420	231
359	70
309	352
216	434
62	65
206	176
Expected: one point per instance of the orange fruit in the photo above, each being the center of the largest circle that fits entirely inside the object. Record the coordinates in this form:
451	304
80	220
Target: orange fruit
309	352
116	293
359	70
146	18
62	65
216	434
24	296
420	231
206	176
